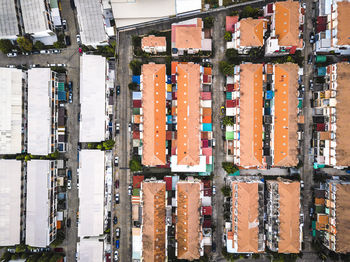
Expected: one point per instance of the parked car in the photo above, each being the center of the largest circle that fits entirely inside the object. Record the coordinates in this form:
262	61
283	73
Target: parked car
61	65
117	128
67	40
214	190
116	161
117	244
70	86
68	222
70	98
130	190
69	174
118	90
116	184
27	53
11	250
34	66
301	184
11	66
309	59
36	52
116	255
312	38
213	142
130	127
45	52
117	232
117	198
12	54
78	40
55	51
64	24
58	250
69	184
222	110
115	220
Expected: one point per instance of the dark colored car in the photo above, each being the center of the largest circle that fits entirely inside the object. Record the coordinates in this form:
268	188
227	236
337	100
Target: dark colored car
59	250
116	184
117	244
67	40
117	232
118	90
68	222
70	86
115	220
69	174
117	198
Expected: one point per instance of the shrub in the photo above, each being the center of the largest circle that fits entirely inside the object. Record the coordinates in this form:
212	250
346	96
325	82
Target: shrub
208	22
135	165
228	36
6	46
24	43
133	86
226	191
136	41
135	66
108	145
229	167
249	11
226	68
232	56
38	45
227	121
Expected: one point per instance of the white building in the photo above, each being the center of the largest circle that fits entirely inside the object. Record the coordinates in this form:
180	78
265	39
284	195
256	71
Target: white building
41	221
8	20
42	134
129	13
10	202
91	193
11	81
90	250
37	20
92	98
91	24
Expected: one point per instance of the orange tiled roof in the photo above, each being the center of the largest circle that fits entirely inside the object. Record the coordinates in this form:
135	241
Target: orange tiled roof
188	125
343	114
153	219
319	201
285	132
188	36
343	218
251	105
287	23
207	70
153	41
252	32
289	194
154	115
343	27
188	220
248	222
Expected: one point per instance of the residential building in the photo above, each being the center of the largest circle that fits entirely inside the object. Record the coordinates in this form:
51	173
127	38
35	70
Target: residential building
91	23
153	227
93	112
153	44
190	36
187	153
153	88
91	250
42	111
9	26
246	234
286	21
188	233
11	88
332	222
129	13
10	202
333	33
41	208
37	20
248	33
283	227
331	117
263	104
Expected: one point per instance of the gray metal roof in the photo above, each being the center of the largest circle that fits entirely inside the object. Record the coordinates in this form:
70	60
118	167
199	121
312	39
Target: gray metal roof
90	20
34	16
8	19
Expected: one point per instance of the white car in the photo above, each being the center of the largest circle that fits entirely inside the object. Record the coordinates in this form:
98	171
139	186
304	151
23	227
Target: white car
69	184
13	54
130	190
129	127
116	255
46	52
78	40
64	24
214	190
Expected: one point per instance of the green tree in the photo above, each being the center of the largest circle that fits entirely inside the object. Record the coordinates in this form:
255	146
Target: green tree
24	43
135	165
226	68
136	41
38	45
55	257
21	248
229	167
208	22
53	155
6	46
6	256
227	121
59	238
45	257
228	36
232	56
59	44
135	66
249	11
108	145
226	191
28	157
133	86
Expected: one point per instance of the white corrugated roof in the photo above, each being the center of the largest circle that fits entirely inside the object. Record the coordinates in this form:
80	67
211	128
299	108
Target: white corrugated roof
39	111
183	6
10	202
89	13
90	250
91	193
34	16
10	110
8	19
37	225
92	98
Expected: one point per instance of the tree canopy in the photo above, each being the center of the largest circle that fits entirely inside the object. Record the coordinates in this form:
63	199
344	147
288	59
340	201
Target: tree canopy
24	43
6	46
